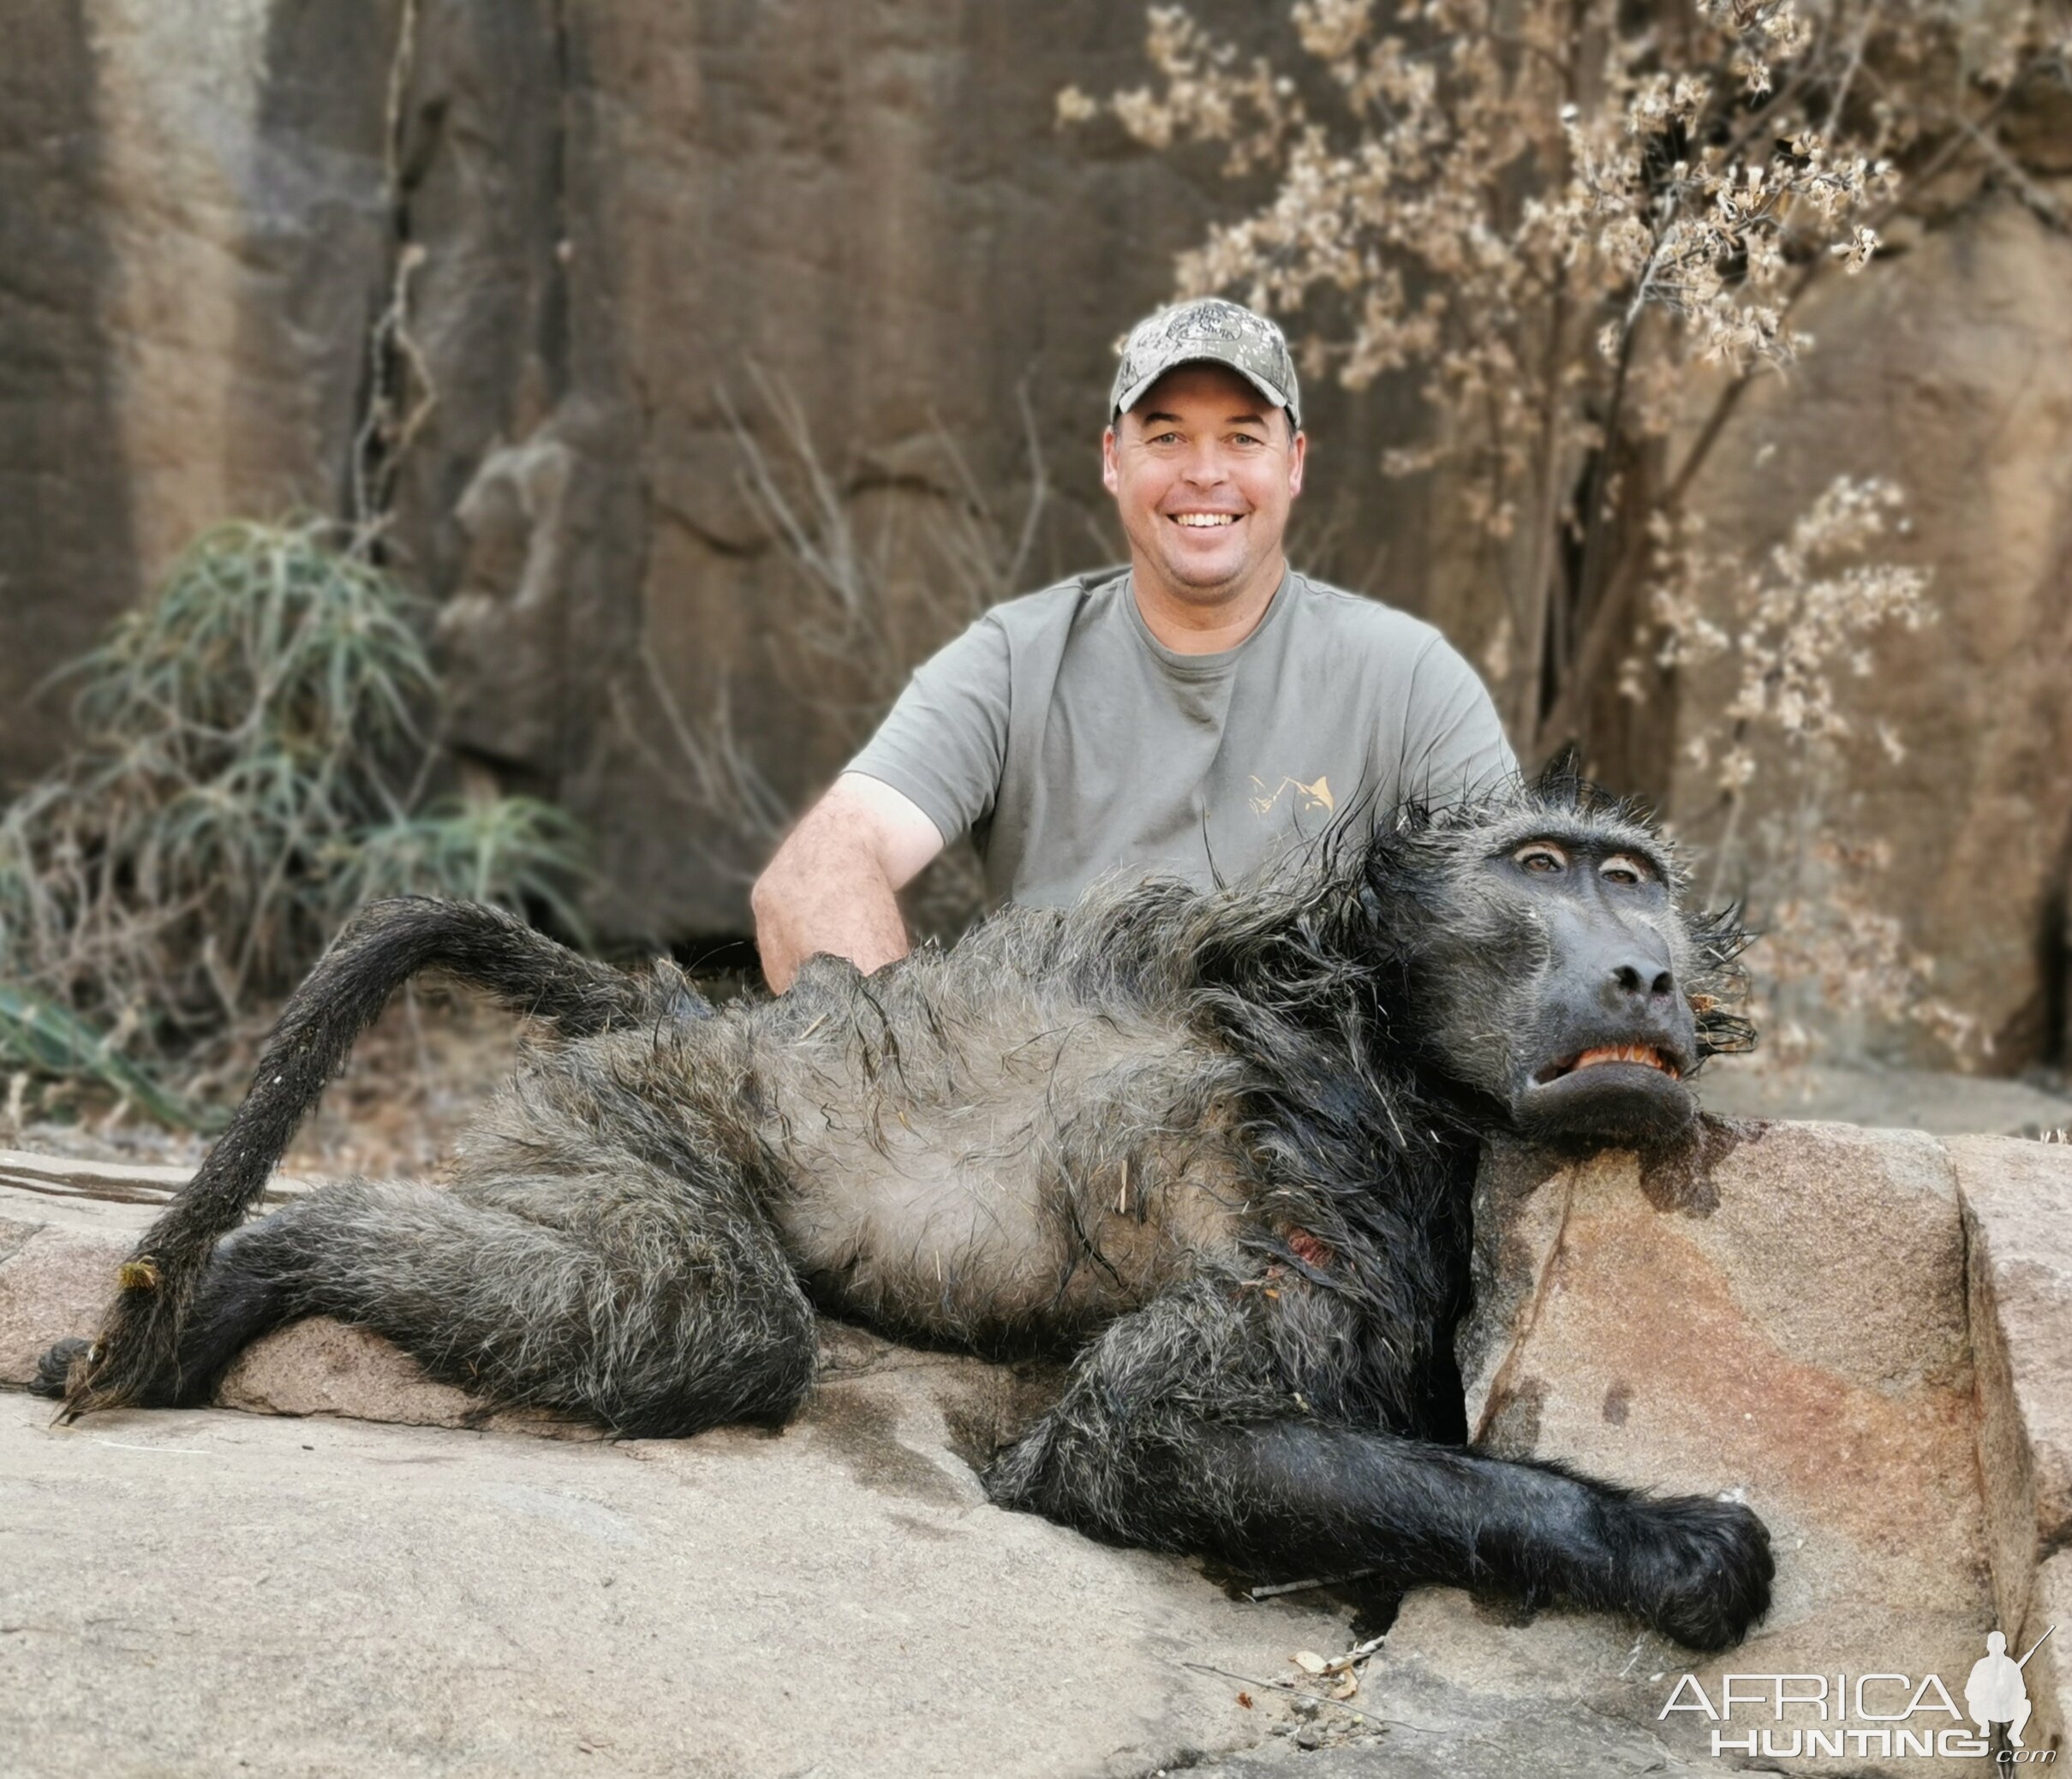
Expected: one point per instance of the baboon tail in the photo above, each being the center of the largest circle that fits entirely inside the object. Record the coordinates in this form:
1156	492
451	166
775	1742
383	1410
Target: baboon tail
382	947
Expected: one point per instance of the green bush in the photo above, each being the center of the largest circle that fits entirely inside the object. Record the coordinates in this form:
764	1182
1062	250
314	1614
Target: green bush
256	747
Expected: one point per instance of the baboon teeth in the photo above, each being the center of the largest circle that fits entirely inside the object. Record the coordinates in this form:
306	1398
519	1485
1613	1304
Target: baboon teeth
1645	1054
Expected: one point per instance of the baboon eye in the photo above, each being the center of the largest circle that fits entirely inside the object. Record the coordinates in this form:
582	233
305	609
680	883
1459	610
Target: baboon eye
1621	868
1542	856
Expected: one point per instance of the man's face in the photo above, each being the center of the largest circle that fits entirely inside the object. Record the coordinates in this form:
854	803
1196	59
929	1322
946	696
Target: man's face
1203	471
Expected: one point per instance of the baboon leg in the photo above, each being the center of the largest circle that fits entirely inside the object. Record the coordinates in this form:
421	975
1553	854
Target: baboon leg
381	948
654	1313
1162	1440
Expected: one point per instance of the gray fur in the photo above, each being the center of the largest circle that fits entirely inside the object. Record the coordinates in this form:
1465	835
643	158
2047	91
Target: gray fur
1218	1144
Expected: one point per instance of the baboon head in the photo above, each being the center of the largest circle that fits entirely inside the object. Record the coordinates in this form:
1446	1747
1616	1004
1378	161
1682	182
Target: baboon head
1554	965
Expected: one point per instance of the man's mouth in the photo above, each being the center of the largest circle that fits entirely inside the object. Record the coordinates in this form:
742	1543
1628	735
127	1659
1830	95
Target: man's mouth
1645	1054
1204	522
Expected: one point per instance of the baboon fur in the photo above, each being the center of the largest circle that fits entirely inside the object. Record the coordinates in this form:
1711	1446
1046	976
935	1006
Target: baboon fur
1220	1144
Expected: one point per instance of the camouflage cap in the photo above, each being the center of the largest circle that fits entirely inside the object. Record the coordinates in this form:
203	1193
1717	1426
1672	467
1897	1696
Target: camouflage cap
1210	327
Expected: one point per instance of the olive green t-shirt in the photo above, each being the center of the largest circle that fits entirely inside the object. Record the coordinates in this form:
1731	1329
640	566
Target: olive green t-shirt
1070	742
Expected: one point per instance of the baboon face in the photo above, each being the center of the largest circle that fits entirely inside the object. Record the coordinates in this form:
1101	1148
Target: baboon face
1563	976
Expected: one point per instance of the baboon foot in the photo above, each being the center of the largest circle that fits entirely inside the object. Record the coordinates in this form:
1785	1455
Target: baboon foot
53	1367
1700	1570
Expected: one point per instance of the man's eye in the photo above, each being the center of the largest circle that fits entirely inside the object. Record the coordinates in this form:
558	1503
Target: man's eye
1541	858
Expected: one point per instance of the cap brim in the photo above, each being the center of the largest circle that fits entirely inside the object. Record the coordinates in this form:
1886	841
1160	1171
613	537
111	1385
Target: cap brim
1136	392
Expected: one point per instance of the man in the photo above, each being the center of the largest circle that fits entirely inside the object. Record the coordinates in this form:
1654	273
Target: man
1196	714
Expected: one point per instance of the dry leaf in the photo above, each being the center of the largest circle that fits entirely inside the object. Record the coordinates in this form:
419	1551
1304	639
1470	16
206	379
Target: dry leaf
1309	1661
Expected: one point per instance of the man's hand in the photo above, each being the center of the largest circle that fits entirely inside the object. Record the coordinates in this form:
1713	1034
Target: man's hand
835	882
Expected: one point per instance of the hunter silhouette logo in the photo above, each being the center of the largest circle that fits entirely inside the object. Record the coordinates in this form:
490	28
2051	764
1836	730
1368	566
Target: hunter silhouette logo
1996	1693
1309	799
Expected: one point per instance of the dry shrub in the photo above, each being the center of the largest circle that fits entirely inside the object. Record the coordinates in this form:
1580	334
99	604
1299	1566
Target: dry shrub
874	600
1786	632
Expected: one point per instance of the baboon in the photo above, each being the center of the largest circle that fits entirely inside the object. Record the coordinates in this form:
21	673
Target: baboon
1218	1144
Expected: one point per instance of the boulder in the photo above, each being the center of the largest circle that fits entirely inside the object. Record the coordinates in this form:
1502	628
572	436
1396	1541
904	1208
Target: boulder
2049	1673
1782	1313
2017	1211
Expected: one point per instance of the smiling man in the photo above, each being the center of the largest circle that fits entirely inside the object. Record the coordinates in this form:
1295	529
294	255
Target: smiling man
1196	713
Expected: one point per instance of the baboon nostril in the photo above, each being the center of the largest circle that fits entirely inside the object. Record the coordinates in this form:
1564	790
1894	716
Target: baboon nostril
1628	979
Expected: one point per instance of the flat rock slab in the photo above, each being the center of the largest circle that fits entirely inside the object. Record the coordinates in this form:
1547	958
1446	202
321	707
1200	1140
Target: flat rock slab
1867	1335
196	1591
1936	1101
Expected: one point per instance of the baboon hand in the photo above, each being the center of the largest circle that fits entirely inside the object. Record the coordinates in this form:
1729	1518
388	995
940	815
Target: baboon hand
53	1367
1698	1570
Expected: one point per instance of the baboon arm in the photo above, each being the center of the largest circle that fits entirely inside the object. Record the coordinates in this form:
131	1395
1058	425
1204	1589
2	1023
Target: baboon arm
1181	1434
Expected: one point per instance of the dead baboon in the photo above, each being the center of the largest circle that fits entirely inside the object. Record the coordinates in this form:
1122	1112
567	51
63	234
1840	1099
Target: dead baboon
1220	1144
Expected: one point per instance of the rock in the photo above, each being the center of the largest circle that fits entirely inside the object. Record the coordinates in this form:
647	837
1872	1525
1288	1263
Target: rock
65	491
1940	1103
189	1590
2017	1210
65	1226
54	1280
619	218
2049	1673
1467	1737
1777	1312
326	1367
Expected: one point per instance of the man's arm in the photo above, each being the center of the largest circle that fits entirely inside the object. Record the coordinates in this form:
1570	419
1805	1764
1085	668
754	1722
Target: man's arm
926	777
834	884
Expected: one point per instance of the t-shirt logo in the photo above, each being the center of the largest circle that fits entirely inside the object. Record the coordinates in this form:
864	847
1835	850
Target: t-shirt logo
1308	799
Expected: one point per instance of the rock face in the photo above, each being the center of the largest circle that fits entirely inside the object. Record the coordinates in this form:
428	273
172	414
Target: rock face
1949	372
603	231
594	227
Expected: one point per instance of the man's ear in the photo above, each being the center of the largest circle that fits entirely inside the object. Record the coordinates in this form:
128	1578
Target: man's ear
1110	475
1298	450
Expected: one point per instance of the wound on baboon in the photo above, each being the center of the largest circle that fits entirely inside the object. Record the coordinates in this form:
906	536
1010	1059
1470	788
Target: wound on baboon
1221	1145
